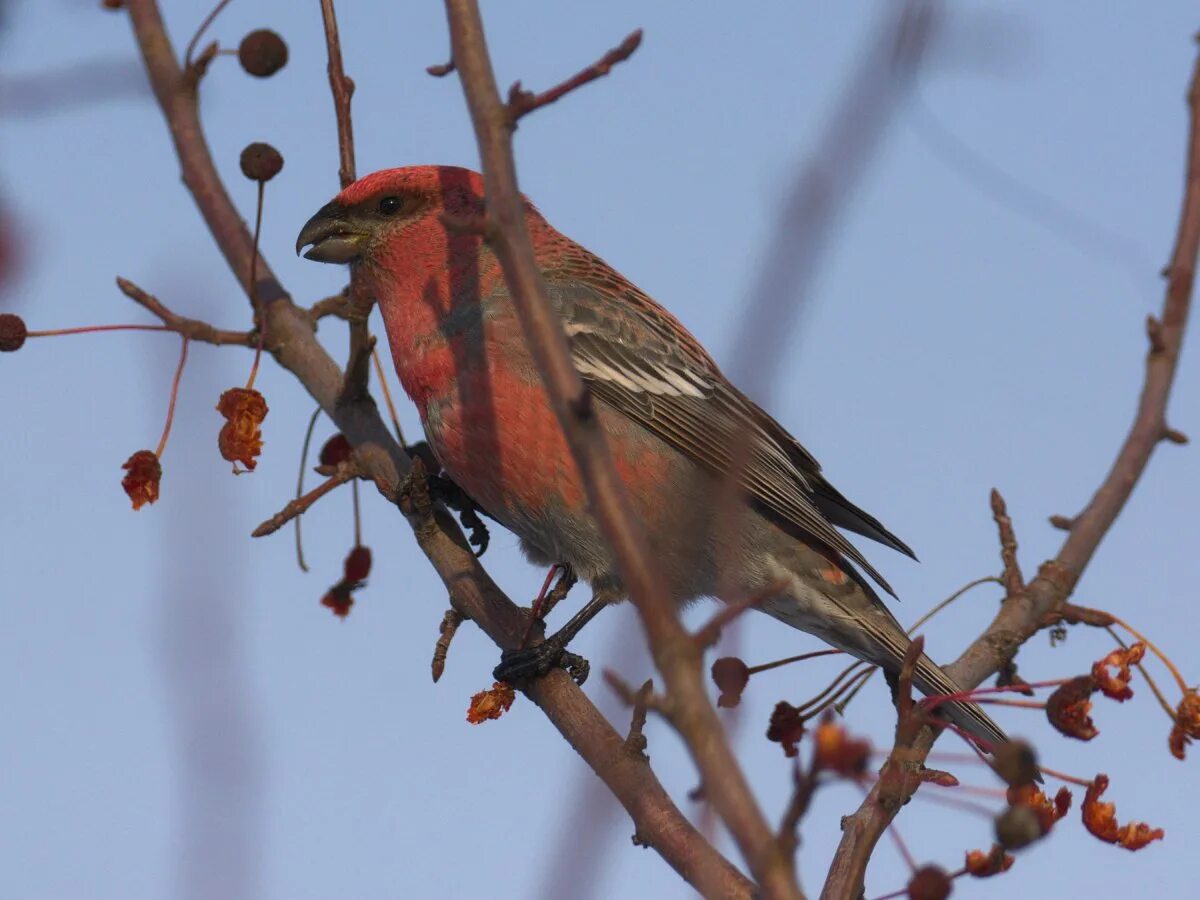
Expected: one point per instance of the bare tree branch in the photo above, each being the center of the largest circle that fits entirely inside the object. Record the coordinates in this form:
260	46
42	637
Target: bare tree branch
676	655
1023	613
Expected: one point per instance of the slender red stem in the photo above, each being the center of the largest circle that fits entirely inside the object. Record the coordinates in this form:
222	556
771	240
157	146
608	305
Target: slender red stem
1062	776
162	441
88	329
258	316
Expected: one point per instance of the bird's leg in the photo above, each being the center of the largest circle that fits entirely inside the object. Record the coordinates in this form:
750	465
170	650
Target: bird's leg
547	599
523	665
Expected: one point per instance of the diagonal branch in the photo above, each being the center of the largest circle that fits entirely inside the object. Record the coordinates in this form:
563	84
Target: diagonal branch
676	655
358	307
1022	613
291	340
522	102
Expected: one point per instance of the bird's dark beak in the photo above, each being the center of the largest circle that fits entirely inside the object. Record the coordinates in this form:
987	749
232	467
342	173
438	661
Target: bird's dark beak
333	236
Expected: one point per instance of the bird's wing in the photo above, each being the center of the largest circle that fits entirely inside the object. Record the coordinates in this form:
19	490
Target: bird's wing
639	360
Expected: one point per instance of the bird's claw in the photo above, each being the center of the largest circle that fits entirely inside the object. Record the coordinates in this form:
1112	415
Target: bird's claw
521	666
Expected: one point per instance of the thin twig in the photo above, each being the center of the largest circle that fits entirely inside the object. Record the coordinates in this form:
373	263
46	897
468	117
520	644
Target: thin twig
308	433
188	62
192	329
522	102
676	655
359	305
1012	579
708	635
162	441
387	396
345	472
343	90
635	741
1021	615
446	631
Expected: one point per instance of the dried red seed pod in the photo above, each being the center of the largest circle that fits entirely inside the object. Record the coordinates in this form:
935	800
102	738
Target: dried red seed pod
12	332
929	883
731	676
358	564
336	450
339	600
262	53
260	161
786	727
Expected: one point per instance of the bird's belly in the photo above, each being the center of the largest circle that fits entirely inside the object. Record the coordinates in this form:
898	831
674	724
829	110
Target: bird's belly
500	442
498	438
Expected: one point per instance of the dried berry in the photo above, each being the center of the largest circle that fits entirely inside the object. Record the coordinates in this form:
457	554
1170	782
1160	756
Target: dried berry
1016	763
1017	827
143	472
731	676
929	883
12	332
260	161
262	53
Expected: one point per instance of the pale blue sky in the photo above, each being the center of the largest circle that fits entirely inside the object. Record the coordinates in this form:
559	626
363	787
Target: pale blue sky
182	718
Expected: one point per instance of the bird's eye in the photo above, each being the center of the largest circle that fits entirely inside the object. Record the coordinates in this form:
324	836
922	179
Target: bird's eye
389	206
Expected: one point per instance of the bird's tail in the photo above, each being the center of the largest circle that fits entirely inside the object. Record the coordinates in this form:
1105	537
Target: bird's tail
931	680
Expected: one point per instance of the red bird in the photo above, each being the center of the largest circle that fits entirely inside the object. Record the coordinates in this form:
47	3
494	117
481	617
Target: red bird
672	419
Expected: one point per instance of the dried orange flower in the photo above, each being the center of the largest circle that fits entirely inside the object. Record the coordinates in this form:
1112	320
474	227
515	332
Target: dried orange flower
836	751
1047	811
1068	707
731	676
1116	685
929	883
143	472
491	704
786	727
1187	723
240	439
1101	820
985	865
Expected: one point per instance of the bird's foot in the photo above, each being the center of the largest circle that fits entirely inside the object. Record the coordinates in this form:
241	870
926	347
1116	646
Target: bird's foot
521	666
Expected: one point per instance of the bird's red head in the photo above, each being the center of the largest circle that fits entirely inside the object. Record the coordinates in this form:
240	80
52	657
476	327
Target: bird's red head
380	212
